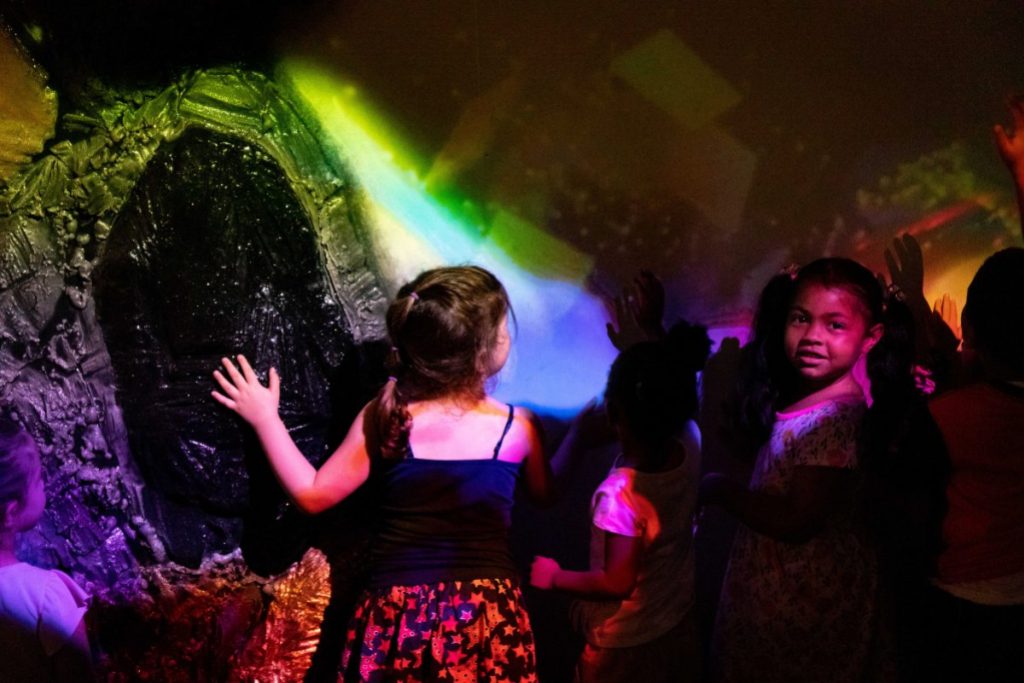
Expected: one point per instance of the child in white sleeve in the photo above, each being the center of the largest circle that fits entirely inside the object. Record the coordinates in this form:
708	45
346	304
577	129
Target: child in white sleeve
42	611
637	611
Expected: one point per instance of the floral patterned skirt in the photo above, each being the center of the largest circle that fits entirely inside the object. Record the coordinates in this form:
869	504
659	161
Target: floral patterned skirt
459	631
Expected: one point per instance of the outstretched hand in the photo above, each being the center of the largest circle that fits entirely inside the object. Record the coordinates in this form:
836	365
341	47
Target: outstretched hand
906	265
638	312
1011	145
1011	149
243	393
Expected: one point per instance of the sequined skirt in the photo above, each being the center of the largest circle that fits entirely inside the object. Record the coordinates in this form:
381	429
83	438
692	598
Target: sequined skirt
460	631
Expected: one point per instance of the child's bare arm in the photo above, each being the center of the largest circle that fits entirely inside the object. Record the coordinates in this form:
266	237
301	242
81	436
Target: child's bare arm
795	517
537	469
615	580
312	490
1011	149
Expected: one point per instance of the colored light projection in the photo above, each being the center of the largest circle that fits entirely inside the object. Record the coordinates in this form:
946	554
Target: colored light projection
954	201
561	352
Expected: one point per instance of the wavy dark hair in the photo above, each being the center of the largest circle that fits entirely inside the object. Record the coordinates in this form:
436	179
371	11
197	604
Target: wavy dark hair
443	326
769	380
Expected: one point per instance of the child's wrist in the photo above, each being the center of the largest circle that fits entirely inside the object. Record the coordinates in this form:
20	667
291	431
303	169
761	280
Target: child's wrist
265	421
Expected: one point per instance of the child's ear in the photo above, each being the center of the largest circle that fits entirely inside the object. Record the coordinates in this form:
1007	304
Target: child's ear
873	336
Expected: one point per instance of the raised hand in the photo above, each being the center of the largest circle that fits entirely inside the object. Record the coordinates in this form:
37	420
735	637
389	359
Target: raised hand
949	313
1011	144
906	265
649	304
623	330
637	312
1011	149
243	393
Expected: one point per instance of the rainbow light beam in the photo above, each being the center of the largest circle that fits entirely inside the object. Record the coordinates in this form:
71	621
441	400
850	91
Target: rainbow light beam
561	353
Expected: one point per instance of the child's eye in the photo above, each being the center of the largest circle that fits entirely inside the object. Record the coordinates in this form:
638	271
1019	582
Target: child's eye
797	318
837	326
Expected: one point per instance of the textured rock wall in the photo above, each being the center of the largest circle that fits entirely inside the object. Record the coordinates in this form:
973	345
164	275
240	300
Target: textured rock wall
163	230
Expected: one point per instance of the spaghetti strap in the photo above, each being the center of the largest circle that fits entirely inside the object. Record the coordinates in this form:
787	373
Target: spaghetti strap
508	425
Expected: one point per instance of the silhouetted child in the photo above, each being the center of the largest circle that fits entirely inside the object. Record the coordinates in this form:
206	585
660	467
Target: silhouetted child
979	609
637	614
42	611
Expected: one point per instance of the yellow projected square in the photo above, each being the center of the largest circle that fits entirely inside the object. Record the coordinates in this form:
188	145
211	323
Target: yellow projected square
714	171
671	75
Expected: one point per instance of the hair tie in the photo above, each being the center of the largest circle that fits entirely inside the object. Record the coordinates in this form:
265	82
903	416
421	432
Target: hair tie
414	296
894	293
392	379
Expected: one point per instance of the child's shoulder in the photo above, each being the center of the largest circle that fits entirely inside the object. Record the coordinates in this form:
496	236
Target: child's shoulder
47	600
23	572
29	580
524	430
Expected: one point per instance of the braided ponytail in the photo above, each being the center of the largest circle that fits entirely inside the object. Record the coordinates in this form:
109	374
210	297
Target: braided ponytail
389	414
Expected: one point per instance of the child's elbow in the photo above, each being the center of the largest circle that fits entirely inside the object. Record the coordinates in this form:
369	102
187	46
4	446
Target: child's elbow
313	502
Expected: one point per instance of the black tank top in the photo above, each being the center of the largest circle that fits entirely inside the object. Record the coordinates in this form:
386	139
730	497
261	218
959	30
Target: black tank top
443	520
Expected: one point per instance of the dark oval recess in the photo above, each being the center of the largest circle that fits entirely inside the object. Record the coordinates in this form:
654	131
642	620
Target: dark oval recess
212	255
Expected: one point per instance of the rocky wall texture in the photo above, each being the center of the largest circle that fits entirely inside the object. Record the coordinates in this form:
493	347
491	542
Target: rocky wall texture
163	230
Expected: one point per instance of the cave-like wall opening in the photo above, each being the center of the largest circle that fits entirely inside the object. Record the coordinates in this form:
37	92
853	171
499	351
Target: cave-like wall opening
211	254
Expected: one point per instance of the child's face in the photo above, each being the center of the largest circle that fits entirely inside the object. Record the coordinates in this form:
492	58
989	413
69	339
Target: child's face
827	331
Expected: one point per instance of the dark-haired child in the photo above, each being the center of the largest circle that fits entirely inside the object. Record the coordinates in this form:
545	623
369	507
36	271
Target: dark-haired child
637	614
979	611
42	611
798	600
444	600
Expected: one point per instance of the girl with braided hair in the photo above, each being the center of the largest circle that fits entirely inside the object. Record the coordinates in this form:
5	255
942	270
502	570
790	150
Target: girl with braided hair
443	601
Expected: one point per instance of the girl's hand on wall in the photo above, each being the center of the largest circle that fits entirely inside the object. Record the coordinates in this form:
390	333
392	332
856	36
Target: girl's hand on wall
542	572
243	393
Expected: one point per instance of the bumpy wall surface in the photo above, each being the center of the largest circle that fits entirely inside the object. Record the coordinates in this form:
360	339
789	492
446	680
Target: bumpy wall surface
164	230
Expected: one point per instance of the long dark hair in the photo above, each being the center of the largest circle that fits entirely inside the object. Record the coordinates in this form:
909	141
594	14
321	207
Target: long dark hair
769	379
443	326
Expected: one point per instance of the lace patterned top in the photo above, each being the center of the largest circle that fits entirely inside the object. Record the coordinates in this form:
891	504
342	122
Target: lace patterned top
800	611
